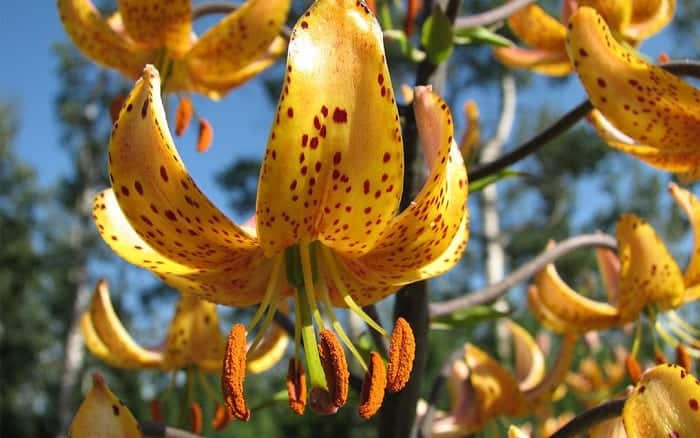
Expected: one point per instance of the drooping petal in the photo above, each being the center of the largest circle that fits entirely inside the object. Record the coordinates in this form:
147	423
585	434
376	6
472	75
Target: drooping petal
546	62
99	349
156	24
649	17
428	237
672	395
334	160
542	392
243	37
609	268
529	361
157	195
93	35
648	272
194	336
545	316
616	13
691	205
539	30
644	102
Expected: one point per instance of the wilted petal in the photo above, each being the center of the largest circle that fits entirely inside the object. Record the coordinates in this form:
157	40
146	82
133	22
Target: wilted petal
159	23
691	205
334	159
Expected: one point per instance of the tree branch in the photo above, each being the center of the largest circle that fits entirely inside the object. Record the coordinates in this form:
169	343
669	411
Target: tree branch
591	417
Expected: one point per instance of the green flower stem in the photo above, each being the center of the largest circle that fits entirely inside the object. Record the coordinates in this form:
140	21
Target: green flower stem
308	334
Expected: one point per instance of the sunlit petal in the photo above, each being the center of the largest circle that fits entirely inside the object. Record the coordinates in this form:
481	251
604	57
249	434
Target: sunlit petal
547	62
159	23
538	29
334	159
529	361
616	13
609	268
545	316
691	205
99	349
648	17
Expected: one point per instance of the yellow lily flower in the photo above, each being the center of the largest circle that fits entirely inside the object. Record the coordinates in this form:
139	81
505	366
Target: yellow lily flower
631	22
482	389
649	280
194	338
144	32
640	108
595	382
326	224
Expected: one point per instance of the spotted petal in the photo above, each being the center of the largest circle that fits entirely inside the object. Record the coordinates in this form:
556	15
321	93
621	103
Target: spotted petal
691	205
644	102
649	17
538	29
648	272
224	53
93	35
334	160
672	395
156	24
157	195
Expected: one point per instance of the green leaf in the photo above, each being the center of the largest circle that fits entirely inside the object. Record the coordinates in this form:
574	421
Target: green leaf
436	36
467	317
481	35
480	184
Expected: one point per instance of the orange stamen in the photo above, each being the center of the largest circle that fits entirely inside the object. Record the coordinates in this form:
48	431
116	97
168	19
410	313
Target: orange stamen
196	416
206	135
183	115
402	351
221	418
634	370
660	357
296	386
682	357
663	58
372	394
156	412
233	373
335	367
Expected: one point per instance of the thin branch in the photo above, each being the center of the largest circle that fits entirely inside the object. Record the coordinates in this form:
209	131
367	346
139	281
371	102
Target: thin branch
529	269
216	8
491	16
591	417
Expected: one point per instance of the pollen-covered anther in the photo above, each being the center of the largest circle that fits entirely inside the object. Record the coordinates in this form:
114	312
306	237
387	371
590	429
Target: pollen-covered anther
183	115
335	367
660	357
205	135
233	373
634	370
402	351
222	417
682	357
372	394
296	386
196	418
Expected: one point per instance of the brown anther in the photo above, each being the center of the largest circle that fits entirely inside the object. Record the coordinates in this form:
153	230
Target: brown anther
206	135
372	394
296	386
663	58
402	351
634	370
335	367
233	373
660	357
116	106
412	9
156	412
183	115
321	402
682	357
196	418
221	418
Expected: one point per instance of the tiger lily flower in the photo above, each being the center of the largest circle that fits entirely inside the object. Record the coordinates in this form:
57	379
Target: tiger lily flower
649	280
641	109
631	22
482	389
160	32
326	225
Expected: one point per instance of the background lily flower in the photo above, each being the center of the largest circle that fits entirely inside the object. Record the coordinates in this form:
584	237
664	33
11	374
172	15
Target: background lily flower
641	109
649	280
327	228
631	22
144	32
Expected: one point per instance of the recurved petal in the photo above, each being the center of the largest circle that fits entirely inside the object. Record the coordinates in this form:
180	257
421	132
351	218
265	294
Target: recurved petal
672	395
616	13
428	237
644	102
194	336
546	62
157	195
529	361
99	349
649	17
691	205
243	37
159	24
269	352
648	272
545	316
333	169
538	29
93	35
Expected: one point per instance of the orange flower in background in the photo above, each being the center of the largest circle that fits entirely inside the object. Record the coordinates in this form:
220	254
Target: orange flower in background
160	32
631	21
326	227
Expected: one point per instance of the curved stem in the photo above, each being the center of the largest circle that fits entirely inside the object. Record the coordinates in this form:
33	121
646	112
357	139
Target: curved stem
591	417
529	269
491	16
215	8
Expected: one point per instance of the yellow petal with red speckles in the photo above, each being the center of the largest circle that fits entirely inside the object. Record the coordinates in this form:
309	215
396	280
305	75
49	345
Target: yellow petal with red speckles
157	195
241	38
194	335
546	62
93	35
538	29
334	160
428	237
649	17
644	102
159	24
648	272
616	13
691	205
529	361
672	395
